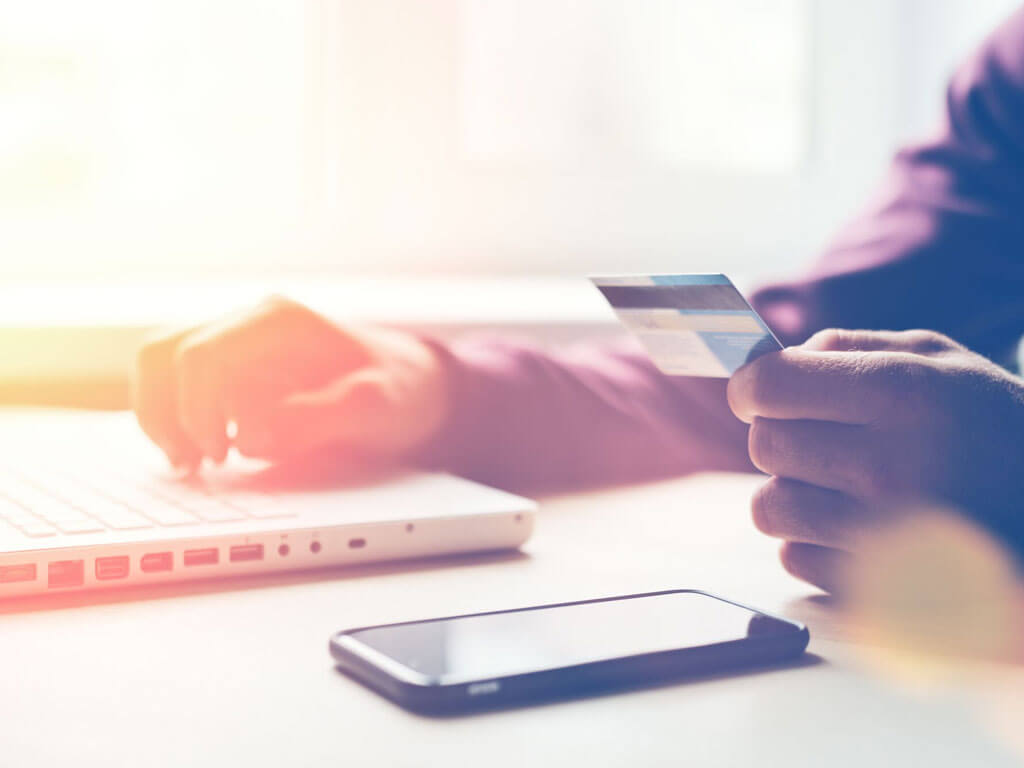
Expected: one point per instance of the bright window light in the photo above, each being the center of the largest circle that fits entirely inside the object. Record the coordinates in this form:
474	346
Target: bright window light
470	136
693	85
149	116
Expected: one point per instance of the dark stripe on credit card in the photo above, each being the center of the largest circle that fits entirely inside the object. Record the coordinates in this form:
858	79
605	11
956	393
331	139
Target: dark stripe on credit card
673	297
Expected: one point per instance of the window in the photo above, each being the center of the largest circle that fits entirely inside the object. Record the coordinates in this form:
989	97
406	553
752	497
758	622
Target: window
578	83
144	132
457	135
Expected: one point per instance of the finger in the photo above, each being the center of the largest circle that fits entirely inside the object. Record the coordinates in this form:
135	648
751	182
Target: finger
841	457
822	566
919	342
796	511
846	387
200	393
354	410
155	401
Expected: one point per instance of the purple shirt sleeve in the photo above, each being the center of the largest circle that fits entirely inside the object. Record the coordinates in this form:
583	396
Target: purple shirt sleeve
595	414
942	247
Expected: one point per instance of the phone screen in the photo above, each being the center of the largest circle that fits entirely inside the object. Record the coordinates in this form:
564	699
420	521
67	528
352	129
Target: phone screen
493	645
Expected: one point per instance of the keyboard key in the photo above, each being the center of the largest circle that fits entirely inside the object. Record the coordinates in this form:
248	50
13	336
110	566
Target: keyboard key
122	519
37	529
8	507
27	497
22	519
56	511
215	512
250	500
167	514
131	498
14	514
266	513
83	525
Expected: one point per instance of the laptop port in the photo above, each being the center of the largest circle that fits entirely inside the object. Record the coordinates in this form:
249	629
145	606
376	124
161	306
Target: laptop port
245	552
208	556
356	543
155	562
108	568
12	573
65	573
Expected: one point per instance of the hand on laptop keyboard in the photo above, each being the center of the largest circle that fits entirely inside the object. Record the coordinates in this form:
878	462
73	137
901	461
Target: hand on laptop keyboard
280	381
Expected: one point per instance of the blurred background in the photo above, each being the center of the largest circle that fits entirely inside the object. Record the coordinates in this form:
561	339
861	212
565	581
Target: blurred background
161	159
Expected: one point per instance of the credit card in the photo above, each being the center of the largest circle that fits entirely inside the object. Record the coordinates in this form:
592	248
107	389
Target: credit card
690	325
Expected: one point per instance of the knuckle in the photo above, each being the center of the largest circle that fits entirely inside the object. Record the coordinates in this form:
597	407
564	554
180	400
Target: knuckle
926	342
764	506
147	356
905	381
755	384
762	444
789	556
830	339
191	356
367	396
278	305
157	348
756	387
873	476
152	356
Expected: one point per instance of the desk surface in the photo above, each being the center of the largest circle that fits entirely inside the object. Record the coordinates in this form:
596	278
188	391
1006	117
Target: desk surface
238	673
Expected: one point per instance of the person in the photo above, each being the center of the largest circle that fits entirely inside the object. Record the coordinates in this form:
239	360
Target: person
840	421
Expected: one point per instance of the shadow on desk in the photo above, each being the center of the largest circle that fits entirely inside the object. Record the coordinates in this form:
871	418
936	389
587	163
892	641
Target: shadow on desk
165	591
582	694
917	643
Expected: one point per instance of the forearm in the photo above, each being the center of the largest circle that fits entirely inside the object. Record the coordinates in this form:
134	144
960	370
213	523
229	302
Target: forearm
596	414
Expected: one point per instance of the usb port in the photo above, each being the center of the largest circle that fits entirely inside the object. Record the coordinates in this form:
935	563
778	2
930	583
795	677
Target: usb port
108	568
155	562
12	573
208	556
65	573
245	552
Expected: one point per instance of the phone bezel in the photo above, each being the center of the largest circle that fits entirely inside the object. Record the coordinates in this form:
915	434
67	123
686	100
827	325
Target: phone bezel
421	692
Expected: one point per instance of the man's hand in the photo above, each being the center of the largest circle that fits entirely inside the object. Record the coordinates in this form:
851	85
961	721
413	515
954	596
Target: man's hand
290	382
852	421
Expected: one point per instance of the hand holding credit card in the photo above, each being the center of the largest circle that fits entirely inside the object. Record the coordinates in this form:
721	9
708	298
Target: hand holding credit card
690	325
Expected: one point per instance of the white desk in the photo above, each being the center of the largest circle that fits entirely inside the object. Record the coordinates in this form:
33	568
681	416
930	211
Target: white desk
238	674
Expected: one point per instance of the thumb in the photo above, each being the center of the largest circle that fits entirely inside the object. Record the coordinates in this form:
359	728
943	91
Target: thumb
354	410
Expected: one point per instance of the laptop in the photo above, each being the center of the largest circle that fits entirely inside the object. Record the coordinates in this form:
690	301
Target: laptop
87	503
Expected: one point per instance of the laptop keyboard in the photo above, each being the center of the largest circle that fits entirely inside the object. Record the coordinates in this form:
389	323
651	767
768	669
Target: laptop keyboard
41	504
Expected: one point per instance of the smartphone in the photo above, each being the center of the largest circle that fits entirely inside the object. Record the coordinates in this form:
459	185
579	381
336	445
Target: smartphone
518	656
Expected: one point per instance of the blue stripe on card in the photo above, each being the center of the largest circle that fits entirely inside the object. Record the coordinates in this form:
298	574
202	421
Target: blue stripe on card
690	280
718	312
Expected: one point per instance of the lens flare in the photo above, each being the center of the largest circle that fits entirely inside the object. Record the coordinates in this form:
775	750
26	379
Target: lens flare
937	605
933	588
